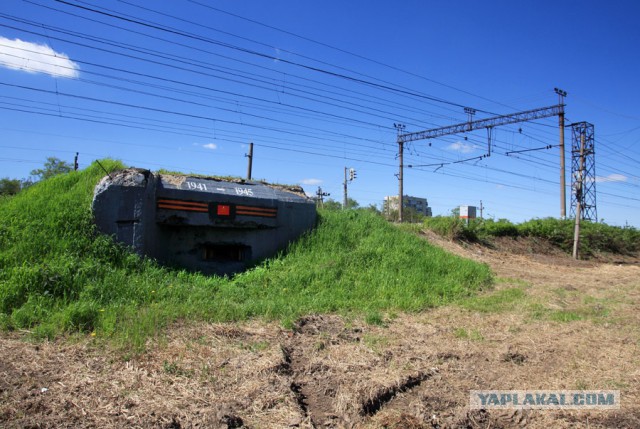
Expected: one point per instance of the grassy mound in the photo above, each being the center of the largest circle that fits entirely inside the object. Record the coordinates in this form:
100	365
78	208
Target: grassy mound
57	275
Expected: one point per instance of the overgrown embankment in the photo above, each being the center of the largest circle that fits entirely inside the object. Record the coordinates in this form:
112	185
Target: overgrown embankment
595	237
57	275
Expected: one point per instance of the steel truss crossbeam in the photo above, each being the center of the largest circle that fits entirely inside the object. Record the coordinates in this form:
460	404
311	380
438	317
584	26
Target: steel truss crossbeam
529	115
488	124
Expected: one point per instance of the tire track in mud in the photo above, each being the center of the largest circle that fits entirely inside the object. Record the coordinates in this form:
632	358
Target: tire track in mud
319	388
387	394
310	390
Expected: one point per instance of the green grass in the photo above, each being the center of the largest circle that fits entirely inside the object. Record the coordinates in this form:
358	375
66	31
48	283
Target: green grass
574	306
496	301
57	275
376	343
595	237
517	300
468	334
374	318
225	178
596	314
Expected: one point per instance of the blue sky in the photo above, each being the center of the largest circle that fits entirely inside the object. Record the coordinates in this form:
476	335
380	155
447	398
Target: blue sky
185	85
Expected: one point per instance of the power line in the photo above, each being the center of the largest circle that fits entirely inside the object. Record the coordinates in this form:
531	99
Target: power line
170	30
341	50
138	49
185	131
209	88
170	112
322	98
441	164
152	87
107	122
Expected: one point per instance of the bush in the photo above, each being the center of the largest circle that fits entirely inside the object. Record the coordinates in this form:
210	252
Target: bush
558	232
500	228
454	228
601	237
451	227
595	237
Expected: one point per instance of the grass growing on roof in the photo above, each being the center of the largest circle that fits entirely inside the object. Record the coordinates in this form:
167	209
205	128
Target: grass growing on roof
57	275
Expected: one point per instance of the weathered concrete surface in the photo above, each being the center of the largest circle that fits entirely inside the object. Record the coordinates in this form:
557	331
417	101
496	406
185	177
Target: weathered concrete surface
202	224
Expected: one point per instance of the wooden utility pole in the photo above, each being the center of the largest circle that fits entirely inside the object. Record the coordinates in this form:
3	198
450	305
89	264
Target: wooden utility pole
250	162
320	194
344	184
75	162
579	186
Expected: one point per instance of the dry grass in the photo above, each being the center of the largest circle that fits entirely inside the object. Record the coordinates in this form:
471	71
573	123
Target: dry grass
415	371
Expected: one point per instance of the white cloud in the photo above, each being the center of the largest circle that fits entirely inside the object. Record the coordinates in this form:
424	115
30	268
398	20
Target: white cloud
311	181
461	147
36	58
611	178
211	146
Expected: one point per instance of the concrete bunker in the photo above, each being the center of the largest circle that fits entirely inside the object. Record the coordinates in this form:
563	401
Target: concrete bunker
204	224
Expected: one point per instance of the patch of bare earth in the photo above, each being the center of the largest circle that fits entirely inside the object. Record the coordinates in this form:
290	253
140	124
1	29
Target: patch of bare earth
332	372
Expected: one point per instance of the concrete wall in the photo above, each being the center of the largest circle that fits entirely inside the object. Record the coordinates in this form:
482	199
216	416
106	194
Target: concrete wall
201	224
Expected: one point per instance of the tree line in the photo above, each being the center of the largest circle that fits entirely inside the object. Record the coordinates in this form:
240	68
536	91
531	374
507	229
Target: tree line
52	167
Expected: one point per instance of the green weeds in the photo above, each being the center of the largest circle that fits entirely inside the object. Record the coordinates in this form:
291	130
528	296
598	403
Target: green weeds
468	334
595	237
567	307
498	301
376	343
57	275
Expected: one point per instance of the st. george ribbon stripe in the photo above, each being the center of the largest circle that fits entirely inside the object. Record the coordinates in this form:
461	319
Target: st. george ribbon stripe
204	207
183	205
256	211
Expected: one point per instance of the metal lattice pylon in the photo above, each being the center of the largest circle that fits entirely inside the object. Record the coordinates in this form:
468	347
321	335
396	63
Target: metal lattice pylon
583	171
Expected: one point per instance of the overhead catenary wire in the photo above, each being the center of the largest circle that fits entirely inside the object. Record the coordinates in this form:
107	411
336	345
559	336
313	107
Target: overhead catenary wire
325	102
392	67
196	63
208	88
501	147
172	112
454	162
156	26
85	2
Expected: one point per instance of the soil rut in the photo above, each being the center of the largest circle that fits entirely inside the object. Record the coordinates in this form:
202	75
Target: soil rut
415	371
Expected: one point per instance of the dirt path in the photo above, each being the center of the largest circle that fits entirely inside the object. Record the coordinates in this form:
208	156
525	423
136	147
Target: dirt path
550	323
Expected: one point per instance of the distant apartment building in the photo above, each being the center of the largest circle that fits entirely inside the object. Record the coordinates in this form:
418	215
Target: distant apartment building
420	205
